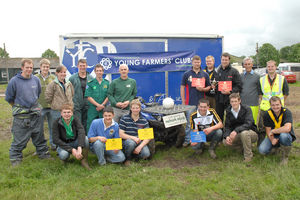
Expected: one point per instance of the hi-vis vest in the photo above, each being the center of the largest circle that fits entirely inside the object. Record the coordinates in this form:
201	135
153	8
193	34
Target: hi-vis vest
269	91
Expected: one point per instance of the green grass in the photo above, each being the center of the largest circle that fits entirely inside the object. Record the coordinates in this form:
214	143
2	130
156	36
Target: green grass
171	174
3	88
297	84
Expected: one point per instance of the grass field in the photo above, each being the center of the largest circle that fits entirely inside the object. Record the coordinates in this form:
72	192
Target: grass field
171	174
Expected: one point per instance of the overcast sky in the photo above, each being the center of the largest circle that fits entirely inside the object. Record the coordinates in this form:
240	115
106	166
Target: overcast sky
30	27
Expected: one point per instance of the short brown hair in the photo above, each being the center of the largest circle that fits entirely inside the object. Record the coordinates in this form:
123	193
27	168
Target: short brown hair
210	56
204	100
272	61
44	62
275	98
26	60
225	54
196	57
98	66
60	68
66	107
235	95
82	61
108	109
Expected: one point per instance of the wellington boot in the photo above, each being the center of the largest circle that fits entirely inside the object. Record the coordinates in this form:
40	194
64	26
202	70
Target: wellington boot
285	151
84	161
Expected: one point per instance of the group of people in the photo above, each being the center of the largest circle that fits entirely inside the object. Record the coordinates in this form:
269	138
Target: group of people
251	107
80	118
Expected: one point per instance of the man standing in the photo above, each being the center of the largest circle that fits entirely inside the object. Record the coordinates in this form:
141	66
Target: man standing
121	91
96	92
272	84
240	130
279	128
191	93
226	72
22	93
210	69
101	130
251	87
79	81
46	78
207	120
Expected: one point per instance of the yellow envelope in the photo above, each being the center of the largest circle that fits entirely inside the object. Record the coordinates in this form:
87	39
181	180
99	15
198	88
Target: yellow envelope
113	144
146	133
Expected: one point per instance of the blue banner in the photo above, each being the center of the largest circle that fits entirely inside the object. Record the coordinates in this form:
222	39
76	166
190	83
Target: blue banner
147	62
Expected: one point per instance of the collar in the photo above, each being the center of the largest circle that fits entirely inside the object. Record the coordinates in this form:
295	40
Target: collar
198	113
251	72
233	111
106	127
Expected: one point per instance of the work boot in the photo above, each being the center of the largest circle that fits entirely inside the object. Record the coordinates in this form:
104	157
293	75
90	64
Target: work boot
185	144
84	161
285	151
211	150
127	163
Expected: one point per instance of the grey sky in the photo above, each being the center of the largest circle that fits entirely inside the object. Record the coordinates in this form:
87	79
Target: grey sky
30	27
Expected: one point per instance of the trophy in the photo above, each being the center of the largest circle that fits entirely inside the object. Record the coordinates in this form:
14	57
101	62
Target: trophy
214	83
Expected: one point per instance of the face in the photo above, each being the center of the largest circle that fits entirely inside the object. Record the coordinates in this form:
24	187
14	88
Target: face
61	75
210	63
82	67
99	72
225	61
202	108
276	106
271	67
123	71
196	64
108	116
27	69
235	103
45	69
135	109
66	114
248	65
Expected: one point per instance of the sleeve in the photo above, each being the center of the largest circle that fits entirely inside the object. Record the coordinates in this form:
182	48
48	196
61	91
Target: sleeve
248	121
80	132
288	118
10	93
39	86
227	129
88	90
237	83
134	91
110	94
207	80
122	124
285	88
56	137
116	128
92	130
258	85
216	117
184	79
49	92
267	120
259	89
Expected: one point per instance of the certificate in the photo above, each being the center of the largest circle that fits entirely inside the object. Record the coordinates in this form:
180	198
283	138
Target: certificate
198	136
113	144
198	82
146	133
225	85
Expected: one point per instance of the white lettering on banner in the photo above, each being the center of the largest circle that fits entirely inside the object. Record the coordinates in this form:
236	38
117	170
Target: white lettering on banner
183	60
174	120
127	62
161	61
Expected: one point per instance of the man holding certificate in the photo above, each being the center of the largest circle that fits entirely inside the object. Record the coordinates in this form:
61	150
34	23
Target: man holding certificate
194	84
103	135
129	126
240	130
229	81
206	125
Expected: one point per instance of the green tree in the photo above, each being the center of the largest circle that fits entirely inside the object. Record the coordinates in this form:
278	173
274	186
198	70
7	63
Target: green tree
295	53
285	52
49	54
3	53
267	52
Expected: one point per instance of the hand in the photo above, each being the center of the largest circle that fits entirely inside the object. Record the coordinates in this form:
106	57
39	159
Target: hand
207	130
228	140
119	104
116	151
274	141
194	143
125	104
232	135
137	150
225	92
213	86
201	89
99	107
136	139
102	139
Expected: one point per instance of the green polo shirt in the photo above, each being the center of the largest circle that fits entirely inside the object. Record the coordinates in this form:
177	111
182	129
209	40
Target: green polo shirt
97	91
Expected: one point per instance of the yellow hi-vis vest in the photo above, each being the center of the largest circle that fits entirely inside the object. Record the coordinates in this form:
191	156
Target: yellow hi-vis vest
268	91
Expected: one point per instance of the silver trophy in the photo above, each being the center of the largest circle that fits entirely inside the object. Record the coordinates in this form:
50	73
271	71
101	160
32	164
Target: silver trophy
214	83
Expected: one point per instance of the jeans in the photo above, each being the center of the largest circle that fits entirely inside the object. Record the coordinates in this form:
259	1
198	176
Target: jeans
214	137
46	112
99	147
188	113
64	155
129	146
24	129
265	147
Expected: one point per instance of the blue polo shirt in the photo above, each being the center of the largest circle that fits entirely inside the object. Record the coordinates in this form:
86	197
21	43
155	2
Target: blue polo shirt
98	129
192	95
131	127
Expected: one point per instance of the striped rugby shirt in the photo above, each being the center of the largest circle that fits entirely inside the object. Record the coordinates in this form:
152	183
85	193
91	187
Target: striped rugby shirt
130	127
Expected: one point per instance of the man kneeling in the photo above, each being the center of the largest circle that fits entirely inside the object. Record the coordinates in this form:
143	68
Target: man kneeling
69	136
279	128
212	127
240	130
101	130
129	125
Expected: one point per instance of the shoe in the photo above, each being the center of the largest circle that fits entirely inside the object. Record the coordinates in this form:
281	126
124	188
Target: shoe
285	151
84	160
247	159
45	155
15	163
185	144
53	147
212	153
127	163
198	151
